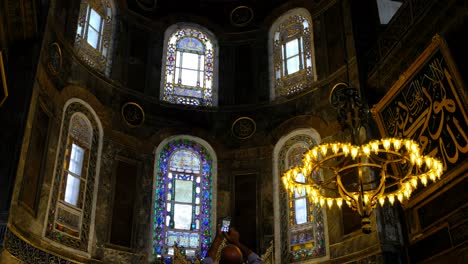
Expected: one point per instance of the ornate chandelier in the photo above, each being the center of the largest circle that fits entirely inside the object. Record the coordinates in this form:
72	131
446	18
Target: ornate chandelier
361	175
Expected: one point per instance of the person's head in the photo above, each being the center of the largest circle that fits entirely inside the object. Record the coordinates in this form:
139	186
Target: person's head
231	254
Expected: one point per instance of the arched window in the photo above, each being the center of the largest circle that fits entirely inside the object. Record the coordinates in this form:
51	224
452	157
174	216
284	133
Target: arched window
183	206
72	198
300	225
292	62
189	74
94	33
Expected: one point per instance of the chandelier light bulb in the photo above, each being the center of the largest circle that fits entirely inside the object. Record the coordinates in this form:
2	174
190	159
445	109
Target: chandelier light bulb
432	176
339	202
419	161
386	144
354	152
396	144
400	197
366	198
375	147
414	182
346	149
414	147
381	201
428	162
322	201
335	148
408	144
366	150
424	180
324	149
314	153
313	193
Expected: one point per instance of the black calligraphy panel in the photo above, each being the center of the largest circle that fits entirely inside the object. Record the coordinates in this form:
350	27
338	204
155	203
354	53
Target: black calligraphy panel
429	109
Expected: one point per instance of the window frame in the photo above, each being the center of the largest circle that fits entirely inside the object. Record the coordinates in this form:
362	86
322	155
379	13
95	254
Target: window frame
98	57
84	171
98	31
64	224
285	29
205	92
163	155
284	207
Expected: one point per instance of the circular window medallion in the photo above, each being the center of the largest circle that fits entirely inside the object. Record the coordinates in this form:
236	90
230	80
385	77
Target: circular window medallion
243	127
54	58
133	114
241	16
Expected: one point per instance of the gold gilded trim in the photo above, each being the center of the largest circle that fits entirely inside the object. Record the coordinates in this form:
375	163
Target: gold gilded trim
52	69
239	122
330	99
3	80
17	233
437	43
134	118
428	104
245	22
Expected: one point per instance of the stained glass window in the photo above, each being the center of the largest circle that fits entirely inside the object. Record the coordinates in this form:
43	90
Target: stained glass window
301	225
72	193
292	58
183	199
74	175
190	64
94	33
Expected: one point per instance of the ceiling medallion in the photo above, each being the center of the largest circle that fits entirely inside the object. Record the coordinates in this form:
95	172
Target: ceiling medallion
147	5
241	16
243	127
133	114
54	59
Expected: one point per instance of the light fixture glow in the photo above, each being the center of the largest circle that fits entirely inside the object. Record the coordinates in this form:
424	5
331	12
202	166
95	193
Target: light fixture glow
362	175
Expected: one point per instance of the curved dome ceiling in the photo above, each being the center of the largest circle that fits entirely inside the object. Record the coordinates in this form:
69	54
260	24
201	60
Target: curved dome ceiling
233	15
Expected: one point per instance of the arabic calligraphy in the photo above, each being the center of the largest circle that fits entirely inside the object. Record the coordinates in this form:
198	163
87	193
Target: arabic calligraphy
133	114
429	109
243	127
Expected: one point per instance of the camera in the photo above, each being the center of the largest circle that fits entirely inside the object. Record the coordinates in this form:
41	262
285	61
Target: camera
226	224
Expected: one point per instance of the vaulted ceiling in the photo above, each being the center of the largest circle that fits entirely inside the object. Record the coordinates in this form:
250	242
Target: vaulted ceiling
232	15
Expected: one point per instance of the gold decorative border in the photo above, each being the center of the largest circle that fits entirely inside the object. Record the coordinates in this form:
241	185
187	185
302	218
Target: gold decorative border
50	67
437	44
15	231
238	120
333	90
139	107
241	24
3	80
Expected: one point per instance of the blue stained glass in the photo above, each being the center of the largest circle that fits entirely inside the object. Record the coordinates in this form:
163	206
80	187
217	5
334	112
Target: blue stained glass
184	160
194	239
187	157
196	73
188	92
